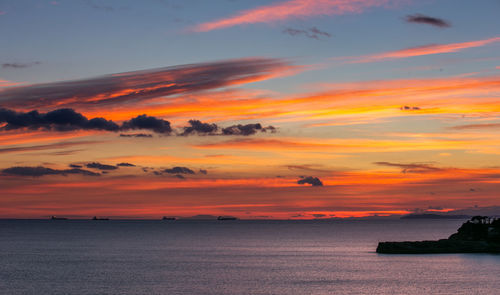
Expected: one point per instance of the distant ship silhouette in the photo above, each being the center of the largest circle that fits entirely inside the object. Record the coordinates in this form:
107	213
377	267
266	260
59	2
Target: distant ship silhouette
168	218
226	218
96	218
58	218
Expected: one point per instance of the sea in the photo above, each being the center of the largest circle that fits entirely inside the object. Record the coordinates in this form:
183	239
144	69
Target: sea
234	257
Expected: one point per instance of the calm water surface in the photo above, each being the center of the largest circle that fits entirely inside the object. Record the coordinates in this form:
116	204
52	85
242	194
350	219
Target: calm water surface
233	257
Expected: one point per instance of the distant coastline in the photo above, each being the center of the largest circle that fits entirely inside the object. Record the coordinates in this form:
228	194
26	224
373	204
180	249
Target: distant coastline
434	216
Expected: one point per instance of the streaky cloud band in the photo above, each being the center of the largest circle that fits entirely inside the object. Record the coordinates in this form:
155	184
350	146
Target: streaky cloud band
116	89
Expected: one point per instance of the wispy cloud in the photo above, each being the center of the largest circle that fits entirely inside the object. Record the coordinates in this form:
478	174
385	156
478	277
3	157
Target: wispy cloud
57	145
341	146
18	65
137	135
291	9
418	51
411	167
312	33
5	83
476	126
141	85
428	20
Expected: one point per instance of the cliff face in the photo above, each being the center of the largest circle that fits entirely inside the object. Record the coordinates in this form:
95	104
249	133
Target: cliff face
478	235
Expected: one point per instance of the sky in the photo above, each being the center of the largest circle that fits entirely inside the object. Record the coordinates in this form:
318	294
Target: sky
279	109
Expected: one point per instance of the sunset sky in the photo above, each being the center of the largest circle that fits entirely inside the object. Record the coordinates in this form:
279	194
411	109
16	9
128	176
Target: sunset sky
284	109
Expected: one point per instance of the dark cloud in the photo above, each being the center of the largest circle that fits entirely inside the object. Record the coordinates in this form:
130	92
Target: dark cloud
97	165
314	181
294	32
411	167
313	33
269	128
318	215
42	171
69	120
148	123
59	120
199	127
16	65
248	129
317	31
125	165
179	170
428	20
75	166
408	108
203	171
137	135
140	85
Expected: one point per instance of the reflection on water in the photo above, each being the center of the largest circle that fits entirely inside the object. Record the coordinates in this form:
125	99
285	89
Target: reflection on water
234	257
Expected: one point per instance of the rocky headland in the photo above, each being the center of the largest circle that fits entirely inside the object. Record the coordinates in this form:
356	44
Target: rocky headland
480	234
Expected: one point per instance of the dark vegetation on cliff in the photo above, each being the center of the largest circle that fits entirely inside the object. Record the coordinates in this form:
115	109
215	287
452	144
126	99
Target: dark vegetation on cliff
480	234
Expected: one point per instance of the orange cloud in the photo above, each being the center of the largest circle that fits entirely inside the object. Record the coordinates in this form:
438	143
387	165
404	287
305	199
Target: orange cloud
349	145
291	9
341	104
346	103
17	137
5	83
419	51
118	89
345	194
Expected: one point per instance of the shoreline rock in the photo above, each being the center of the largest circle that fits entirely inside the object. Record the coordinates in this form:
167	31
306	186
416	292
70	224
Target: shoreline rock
436	247
478	235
